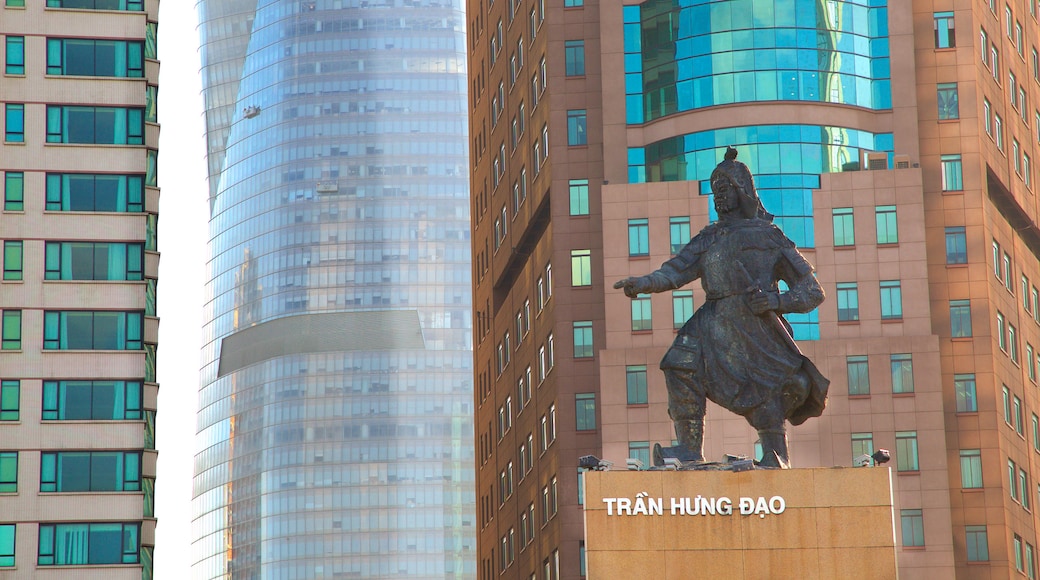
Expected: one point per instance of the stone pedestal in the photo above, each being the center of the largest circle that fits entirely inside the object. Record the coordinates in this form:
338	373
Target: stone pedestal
763	524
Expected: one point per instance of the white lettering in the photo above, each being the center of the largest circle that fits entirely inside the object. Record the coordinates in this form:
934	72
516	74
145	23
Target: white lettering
761	507
725	506
610	504
624	506
747	506
640	506
777	505
679	506
656	506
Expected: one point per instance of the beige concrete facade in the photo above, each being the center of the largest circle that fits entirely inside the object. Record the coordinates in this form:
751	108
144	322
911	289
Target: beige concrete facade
996	205
799	523
30	432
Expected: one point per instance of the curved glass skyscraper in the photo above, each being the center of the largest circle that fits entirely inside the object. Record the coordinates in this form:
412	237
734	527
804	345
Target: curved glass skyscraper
335	424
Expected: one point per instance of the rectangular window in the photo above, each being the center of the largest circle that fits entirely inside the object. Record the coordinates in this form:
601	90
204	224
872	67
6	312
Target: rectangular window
577	121
89	544
987	111
971	468
844	228
583	339
1030	562
1001	336
639	237
913	527
960	318
573	3
1023	487
92	330
945	36
1036	433
14	191
998	131
906	451
94	261
1017	406
978	543
964	385
7	535
92	400
956	245
8	471
858	374
574	58
95	58
1030	364
581	267
95	192
579	193
95	125
1007	405
80	471
848	301
129	5
640	450
891	300
14	123
1027	170
12	259
1012	343
585	411
902	373
635	377
642	318
862	444
887	232
10	399
1017	547
678	233
952	173
949	107
682	307
15	55
12	330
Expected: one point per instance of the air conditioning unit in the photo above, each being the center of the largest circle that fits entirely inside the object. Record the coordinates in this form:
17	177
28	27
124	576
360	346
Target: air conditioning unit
877	161
902	161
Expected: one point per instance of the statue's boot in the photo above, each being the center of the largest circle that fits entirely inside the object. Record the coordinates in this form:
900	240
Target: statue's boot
774	448
690	433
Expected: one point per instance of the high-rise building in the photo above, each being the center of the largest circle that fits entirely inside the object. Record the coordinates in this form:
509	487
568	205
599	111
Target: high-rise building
595	127
335	428
78	389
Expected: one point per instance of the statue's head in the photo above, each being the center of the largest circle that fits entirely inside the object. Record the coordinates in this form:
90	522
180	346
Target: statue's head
734	189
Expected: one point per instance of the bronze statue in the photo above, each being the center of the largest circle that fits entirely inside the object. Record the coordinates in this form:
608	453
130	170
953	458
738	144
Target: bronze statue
737	349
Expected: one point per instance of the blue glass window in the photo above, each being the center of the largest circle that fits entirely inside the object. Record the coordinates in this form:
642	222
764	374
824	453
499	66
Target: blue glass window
95	192
95	58
944	30
129	5
91	400
14	59
95	125
72	471
94	261
576	127
574	58
14	123
89	544
92	330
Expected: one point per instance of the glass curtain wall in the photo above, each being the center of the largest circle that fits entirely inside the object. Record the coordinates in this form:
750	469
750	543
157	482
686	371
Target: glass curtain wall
335	423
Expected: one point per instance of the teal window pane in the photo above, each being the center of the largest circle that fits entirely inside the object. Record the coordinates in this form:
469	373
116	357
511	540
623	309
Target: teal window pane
12	259
14	191
956	245
8	471
635	378
579	196
10	400
12	330
639	237
576	127
891	300
14	123
948	101
15	55
7	531
960	318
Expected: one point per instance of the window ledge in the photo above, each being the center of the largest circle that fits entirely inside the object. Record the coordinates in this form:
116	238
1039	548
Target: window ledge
892	320
87	351
967	413
914	548
12	281
956	266
11	351
913	472
848	322
972	489
88	493
14	143
85	566
845	247
95	145
89	421
949	121
953	192
904	395
15	211
15	422
135	282
860	397
93	77
648	331
888	244
961	338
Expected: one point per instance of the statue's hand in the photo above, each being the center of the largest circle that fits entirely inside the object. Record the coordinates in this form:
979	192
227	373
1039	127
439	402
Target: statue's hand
764	301
633	286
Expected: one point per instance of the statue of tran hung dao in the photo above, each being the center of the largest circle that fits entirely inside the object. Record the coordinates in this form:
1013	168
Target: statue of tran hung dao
737	349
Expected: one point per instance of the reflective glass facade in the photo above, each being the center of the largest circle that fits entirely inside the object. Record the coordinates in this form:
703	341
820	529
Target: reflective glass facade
688	54
338	157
